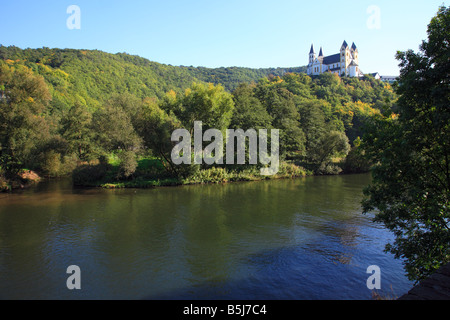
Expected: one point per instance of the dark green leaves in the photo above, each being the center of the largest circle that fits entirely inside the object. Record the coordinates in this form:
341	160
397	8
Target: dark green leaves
411	181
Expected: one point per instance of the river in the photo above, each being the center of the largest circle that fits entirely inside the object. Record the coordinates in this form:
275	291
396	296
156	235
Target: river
299	239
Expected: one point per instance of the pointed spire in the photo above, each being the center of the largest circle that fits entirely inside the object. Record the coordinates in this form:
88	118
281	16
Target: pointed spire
312	49
345	45
321	52
354	46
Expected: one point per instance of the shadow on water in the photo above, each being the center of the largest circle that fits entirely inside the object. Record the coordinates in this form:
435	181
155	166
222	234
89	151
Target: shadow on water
289	273
330	264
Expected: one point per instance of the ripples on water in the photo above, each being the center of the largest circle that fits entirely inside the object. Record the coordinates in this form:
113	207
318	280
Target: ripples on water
286	239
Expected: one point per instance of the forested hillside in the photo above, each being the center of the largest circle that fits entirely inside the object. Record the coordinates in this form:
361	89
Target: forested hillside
86	75
60	109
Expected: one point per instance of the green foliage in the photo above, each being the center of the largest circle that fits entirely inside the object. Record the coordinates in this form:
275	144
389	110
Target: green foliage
89	175
51	163
207	103
113	126
23	100
212	175
76	130
54	164
62	108
280	105
291	170
332	144
411	179
313	124
128	164
4	182
356	161
86	75
249	113
155	127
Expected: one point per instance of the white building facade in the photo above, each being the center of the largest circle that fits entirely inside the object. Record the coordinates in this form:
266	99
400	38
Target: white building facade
344	63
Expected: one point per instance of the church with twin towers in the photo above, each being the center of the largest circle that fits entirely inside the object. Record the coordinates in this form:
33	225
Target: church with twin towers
344	63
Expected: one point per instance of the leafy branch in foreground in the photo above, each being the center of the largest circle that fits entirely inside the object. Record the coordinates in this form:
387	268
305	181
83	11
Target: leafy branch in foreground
411	181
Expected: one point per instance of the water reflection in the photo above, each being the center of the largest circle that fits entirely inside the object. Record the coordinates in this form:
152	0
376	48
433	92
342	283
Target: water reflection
288	239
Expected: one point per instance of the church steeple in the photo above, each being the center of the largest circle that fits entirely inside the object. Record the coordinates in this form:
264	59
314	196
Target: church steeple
355	52
321	52
312	55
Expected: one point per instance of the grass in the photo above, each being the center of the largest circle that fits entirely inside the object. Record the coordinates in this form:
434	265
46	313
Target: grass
141	184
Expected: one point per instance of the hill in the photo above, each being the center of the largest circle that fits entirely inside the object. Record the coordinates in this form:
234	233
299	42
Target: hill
90	76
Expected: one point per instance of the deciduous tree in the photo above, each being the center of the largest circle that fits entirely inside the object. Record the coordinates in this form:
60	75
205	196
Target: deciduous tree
23	98
411	181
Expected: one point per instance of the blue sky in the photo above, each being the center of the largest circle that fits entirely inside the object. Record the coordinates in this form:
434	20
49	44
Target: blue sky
224	33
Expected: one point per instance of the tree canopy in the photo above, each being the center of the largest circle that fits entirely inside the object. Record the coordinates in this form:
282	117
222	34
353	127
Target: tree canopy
411	149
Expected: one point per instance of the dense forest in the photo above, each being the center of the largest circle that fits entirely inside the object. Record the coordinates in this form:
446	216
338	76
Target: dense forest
107	118
94	73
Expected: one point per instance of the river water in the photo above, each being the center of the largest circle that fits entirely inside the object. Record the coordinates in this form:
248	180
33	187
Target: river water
303	239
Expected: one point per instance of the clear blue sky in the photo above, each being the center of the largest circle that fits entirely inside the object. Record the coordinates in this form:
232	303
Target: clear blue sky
216	33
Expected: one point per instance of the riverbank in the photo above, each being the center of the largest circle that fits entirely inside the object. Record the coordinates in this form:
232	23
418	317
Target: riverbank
150	173
24	179
435	287
99	176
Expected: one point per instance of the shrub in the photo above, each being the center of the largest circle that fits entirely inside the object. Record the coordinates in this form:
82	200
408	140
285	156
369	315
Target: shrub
88	175
355	162
4	184
51	163
291	170
214	174
328	169
128	164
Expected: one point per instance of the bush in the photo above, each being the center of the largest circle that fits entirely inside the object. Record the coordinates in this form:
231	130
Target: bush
186	171
128	164
88	175
291	170
51	163
328	169
355	162
4	184
213	175
54	165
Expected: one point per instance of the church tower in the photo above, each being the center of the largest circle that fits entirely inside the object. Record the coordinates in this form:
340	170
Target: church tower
312	57
345	58
320	53
355	53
